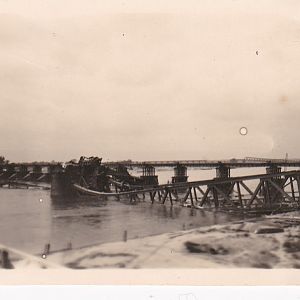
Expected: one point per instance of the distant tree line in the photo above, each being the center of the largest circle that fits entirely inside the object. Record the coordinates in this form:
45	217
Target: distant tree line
3	161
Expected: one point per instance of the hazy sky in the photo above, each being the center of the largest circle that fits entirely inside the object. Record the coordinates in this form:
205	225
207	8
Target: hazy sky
145	81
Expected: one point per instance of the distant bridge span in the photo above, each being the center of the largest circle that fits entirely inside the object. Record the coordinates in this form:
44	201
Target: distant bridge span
232	163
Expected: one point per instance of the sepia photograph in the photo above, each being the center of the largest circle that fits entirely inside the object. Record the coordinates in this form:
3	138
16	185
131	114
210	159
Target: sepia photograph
149	135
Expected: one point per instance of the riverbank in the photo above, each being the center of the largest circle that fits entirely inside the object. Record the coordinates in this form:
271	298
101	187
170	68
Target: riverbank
267	242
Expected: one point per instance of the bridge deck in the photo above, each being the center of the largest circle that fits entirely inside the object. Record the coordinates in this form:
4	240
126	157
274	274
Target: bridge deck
238	163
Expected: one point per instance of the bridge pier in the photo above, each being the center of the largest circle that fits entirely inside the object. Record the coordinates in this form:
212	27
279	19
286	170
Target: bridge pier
36	173
270	193
273	169
60	182
21	171
149	177
180	174
121	171
46	170
10	172
121	174
225	189
53	169
222	171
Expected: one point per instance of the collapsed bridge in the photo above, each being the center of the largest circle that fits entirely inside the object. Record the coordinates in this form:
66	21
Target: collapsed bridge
272	192
275	190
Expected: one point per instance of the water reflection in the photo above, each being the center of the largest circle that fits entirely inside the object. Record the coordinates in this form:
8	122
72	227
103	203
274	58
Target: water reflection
192	212
172	212
76	202
88	211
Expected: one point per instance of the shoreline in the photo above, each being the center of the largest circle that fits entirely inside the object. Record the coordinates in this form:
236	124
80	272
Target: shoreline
261	242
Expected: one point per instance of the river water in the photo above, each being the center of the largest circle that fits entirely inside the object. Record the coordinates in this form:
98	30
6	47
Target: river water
29	219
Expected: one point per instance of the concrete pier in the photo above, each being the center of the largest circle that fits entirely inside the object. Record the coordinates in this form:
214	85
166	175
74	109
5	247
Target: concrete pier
180	174
268	190
225	189
222	171
149	177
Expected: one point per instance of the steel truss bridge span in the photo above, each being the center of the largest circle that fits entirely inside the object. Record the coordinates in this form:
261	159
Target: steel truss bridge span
233	163
272	192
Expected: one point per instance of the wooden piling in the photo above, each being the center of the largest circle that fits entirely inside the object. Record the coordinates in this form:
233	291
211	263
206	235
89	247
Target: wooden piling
125	236
159	196
191	196
69	246
186	195
5	262
216	198
151	197
239	194
170	196
47	249
195	194
292	188
205	196
165	195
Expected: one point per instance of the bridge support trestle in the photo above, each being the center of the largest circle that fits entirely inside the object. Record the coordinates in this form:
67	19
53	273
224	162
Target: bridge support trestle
279	193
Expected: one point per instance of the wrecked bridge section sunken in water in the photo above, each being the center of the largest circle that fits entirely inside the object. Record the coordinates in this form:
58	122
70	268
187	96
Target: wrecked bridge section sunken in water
273	192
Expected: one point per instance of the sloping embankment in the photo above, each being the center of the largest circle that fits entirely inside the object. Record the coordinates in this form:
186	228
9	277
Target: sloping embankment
270	242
